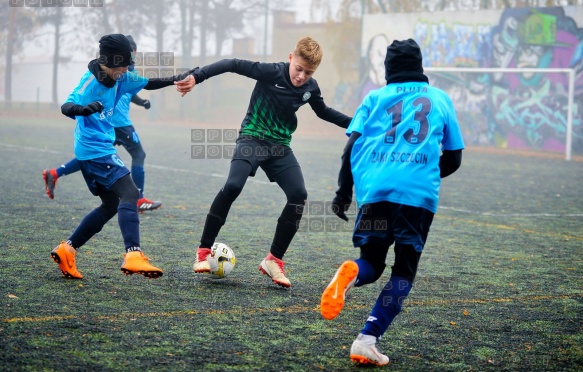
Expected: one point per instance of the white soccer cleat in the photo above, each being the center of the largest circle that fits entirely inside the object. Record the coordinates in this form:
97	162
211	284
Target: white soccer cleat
201	265
273	268
364	351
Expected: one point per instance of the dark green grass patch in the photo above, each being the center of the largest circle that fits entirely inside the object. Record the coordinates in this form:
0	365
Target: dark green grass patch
499	285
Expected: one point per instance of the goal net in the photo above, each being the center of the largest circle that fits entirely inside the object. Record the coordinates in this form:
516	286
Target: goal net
521	108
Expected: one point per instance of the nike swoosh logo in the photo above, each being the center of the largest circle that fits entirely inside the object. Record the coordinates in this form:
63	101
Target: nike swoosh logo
68	262
335	293
279	86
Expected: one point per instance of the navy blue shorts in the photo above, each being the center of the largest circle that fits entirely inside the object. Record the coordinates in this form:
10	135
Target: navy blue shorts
273	158
126	136
384	223
103	172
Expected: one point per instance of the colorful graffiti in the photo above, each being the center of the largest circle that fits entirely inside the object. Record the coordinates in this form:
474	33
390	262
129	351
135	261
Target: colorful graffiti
516	110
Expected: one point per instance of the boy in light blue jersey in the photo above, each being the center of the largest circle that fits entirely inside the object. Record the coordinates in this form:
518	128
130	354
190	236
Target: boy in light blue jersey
126	136
404	138
93	104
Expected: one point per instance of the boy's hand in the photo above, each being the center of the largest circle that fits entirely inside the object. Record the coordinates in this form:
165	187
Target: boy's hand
92	108
340	206
185	85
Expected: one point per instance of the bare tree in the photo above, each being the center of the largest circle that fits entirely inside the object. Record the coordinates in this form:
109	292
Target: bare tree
204	26
138	17
58	18
187	23
55	16
9	53
118	22
226	19
18	24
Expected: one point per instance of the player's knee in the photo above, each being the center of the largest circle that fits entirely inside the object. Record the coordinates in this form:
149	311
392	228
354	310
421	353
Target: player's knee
297	196
138	157
131	194
232	189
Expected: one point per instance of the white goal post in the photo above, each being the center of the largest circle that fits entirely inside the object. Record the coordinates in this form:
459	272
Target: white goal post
571	89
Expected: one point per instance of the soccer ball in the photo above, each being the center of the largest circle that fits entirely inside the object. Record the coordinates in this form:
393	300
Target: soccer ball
221	260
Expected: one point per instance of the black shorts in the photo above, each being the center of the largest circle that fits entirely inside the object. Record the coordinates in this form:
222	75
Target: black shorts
384	223
273	158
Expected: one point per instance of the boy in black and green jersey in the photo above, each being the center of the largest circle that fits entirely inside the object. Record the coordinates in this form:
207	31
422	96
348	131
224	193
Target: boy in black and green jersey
264	139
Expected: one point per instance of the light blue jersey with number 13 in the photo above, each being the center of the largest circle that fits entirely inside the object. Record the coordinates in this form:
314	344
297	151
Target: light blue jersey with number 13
404	128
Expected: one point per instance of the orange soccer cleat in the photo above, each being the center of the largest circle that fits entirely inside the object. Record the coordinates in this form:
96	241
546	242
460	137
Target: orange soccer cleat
334	295
64	255
136	263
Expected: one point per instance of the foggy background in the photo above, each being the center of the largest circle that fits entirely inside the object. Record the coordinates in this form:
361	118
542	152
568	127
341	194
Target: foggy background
46	45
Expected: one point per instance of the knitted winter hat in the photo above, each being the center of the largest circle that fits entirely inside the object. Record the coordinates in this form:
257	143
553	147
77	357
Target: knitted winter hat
403	57
115	50
132	42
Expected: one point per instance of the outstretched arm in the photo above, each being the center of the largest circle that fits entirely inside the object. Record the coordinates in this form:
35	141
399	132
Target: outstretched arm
253	70
327	113
158	83
250	69
185	79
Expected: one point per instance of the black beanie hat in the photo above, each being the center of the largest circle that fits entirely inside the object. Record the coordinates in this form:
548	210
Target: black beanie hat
132	42
403	57
115	50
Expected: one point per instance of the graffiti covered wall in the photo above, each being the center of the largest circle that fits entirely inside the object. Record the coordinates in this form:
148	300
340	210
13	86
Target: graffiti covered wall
514	110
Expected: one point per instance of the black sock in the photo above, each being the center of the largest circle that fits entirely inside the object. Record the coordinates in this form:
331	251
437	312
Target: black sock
287	226
215	219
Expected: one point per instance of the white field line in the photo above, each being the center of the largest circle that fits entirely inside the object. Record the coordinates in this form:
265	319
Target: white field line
218	175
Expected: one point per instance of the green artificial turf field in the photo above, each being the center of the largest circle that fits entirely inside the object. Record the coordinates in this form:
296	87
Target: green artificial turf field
499	287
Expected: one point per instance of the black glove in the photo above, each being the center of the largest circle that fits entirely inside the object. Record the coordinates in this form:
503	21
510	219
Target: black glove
92	108
147	104
340	205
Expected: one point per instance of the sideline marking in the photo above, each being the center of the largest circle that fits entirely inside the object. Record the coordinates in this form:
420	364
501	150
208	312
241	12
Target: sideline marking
253	180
